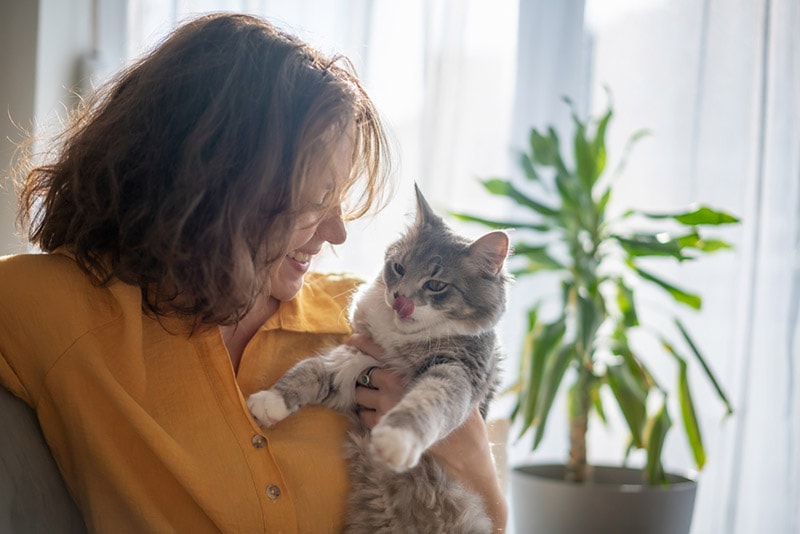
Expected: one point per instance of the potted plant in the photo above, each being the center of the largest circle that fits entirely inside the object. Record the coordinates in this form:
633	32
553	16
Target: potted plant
565	229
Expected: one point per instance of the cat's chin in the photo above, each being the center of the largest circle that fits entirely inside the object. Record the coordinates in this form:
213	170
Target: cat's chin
414	326
427	329
409	325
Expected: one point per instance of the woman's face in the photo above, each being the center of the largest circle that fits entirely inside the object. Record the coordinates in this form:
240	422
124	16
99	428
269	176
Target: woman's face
316	225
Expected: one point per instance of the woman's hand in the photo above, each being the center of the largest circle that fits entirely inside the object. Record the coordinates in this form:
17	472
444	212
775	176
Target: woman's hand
389	387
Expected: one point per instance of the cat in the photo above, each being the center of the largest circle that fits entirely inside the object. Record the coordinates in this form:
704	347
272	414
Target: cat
433	310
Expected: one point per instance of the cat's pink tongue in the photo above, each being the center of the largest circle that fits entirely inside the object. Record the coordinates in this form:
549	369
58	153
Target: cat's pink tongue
403	306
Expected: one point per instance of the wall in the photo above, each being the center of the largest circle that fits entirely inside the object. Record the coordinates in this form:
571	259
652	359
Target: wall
45	61
18	28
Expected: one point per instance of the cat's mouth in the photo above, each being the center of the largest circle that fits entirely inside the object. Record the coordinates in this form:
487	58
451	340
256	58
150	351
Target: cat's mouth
404	307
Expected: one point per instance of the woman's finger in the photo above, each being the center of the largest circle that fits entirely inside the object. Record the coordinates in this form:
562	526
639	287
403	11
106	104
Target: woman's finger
387	388
372	404
368	418
386	380
365	378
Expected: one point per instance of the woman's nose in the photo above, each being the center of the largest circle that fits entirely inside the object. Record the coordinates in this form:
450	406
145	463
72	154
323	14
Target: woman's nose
332	228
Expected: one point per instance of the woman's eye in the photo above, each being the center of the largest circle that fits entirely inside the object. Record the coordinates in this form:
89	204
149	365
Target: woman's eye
322	202
435	285
399	269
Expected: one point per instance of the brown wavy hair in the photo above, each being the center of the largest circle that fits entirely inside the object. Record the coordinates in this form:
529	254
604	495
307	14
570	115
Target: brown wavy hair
183	174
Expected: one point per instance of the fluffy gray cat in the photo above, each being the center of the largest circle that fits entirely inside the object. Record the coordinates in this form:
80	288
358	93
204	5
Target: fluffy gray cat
432	310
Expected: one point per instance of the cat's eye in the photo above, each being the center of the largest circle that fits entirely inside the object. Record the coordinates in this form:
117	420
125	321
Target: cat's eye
435	286
399	269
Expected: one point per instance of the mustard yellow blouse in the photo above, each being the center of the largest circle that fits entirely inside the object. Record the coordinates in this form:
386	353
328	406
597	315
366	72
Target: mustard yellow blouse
149	424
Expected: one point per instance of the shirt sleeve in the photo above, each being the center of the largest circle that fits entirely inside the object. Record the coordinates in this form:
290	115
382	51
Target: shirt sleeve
10	381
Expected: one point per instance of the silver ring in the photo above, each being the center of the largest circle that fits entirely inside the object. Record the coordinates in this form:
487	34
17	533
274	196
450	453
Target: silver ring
365	379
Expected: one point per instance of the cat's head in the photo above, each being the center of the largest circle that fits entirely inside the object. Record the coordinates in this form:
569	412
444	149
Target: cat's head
440	282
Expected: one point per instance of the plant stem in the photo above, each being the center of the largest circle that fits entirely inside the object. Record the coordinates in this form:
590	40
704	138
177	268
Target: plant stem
577	466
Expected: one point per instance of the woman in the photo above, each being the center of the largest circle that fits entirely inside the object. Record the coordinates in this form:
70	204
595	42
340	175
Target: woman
178	220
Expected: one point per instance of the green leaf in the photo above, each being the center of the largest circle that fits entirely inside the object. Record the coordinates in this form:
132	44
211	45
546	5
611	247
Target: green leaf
570	196
640	245
689	416
690	299
540	344
526	386
626	304
554	374
694	240
636	366
657	430
529	384
591	313
528	168
515	410
533	317
663	244
545	149
597	401
537	256
705	366
551	336
584	156
632	399
501	225
703	215
599	142
639	370
497	186
603	202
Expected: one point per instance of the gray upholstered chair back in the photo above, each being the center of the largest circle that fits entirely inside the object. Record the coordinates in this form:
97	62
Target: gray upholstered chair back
33	497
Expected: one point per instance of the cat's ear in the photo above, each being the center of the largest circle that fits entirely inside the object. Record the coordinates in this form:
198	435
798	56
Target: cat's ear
490	251
424	212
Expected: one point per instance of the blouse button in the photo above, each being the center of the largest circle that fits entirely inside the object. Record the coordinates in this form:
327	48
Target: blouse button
258	441
273	491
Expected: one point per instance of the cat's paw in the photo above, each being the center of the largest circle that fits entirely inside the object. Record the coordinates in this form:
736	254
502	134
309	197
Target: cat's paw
398	448
267	407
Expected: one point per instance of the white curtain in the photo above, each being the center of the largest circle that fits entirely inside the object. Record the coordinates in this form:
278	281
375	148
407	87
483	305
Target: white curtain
717	82
441	72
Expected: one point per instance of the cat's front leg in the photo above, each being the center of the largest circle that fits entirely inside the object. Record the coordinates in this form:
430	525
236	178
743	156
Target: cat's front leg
305	383
437	403
268	407
328	380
